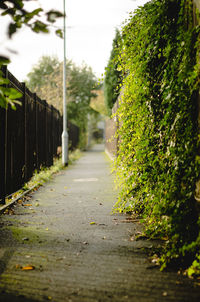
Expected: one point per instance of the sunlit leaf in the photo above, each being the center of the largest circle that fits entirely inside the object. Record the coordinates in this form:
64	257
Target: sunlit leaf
12	93
59	33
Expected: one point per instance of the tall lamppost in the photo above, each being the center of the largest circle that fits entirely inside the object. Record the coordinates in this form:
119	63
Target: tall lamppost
64	133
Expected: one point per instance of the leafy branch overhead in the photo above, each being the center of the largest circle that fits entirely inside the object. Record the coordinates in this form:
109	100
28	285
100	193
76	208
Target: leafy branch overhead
38	21
21	16
8	96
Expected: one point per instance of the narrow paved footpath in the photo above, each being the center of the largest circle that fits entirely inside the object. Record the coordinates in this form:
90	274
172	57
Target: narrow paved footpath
77	249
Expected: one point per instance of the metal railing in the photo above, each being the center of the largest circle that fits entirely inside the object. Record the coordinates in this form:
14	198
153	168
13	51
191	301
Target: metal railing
29	138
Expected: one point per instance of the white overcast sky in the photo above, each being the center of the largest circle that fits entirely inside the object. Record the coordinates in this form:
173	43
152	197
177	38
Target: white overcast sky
91	28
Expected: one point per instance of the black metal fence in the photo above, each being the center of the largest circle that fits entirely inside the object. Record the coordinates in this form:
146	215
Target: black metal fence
29	138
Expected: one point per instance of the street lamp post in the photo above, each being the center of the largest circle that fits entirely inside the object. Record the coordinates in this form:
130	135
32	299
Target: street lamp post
64	133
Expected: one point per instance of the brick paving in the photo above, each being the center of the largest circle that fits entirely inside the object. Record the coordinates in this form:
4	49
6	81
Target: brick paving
79	250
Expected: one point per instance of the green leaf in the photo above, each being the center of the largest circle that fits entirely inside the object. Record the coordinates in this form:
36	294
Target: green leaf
52	15
12	93
4	81
29	16
9	11
59	33
39	26
3	6
4	60
18	4
12	28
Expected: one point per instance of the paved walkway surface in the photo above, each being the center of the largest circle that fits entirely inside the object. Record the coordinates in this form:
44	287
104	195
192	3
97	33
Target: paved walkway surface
79	250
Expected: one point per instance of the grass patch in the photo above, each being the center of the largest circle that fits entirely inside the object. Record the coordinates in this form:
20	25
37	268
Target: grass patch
45	174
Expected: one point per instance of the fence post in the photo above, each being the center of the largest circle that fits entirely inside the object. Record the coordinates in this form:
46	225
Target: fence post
46	133
3	148
2	155
51	134
36	130
25	132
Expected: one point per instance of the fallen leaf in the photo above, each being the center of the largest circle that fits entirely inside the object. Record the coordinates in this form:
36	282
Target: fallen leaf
92	222
28	268
28	205
47	229
164	294
37	204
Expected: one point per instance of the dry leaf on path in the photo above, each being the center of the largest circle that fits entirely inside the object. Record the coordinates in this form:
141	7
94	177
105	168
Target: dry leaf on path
28	268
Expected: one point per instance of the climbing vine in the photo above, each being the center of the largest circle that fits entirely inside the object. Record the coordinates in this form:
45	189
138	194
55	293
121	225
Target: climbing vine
158	163
113	76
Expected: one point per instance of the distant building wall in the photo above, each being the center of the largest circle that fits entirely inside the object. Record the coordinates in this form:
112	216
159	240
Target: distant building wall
111	141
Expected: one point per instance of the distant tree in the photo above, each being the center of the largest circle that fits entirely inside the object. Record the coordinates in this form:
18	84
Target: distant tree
80	84
20	16
81	89
113	75
39	76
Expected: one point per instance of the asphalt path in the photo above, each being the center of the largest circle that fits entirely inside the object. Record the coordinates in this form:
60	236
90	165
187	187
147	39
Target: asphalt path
65	244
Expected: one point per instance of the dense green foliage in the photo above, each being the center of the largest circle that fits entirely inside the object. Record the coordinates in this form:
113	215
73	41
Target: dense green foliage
38	76
113	75
46	79
82	83
157	163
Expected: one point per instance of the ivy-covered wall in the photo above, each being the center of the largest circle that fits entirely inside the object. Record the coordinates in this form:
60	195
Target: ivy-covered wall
158	159
113	76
